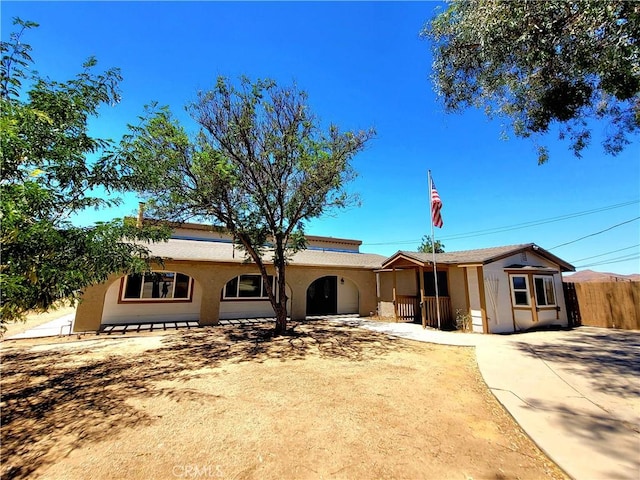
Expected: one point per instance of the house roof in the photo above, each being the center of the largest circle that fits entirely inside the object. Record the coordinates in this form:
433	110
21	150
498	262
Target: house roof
215	251
481	256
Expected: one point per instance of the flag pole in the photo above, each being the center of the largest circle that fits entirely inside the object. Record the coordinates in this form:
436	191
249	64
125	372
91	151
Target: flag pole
433	246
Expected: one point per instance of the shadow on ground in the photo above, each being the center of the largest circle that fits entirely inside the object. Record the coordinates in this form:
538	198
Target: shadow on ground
53	401
610	358
614	439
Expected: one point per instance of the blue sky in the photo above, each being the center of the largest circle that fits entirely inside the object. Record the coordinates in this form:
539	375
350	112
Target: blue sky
363	65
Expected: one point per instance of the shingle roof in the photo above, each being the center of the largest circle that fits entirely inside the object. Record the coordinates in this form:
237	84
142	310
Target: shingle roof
195	250
469	256
481	255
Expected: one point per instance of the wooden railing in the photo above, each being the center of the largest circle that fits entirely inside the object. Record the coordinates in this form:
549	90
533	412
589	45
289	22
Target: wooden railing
407	308
446	318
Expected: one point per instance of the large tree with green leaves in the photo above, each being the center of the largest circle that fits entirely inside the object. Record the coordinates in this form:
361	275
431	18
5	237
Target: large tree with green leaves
46	175
260	166
542	64
427	245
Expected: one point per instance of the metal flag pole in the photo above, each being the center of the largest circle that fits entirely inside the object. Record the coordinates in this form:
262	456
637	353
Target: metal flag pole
433	246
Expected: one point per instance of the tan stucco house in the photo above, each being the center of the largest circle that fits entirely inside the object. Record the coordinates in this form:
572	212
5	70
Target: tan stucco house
206	279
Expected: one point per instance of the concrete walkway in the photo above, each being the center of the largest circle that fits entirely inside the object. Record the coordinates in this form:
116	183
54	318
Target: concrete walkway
575	393
58	327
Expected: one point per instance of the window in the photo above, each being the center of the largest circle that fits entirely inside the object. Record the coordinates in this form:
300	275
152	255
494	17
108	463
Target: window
545	293
246	286
157	286
519	290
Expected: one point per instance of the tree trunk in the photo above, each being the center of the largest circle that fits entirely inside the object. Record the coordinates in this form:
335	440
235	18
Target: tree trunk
281	320
281	307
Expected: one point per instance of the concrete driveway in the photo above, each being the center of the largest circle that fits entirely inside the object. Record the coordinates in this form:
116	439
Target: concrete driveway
576	393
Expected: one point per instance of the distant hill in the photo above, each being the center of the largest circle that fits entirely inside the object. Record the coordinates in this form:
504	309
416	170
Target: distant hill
591	276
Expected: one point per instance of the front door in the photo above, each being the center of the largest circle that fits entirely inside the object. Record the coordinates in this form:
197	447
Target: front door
322	296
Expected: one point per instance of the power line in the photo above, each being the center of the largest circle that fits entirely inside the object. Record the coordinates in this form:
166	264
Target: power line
607	253
535	223
594	234
626	258
517	226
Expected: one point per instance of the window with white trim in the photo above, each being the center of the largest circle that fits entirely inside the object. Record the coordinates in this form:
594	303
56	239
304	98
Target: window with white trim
545	291
519	290
157	286
246	287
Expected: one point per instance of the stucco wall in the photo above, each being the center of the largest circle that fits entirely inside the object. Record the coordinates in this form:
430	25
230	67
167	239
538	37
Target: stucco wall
356	295
406	284
457	290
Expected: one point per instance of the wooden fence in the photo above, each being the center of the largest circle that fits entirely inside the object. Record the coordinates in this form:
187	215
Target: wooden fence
604	304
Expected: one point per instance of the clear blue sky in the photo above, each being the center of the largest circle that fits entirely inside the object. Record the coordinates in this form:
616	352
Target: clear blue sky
363	65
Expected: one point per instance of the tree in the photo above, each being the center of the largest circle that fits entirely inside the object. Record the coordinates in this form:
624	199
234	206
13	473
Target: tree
45	176
259	166
427	245
541	64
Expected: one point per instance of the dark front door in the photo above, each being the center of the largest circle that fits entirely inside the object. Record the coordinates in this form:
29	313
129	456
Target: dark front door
322	296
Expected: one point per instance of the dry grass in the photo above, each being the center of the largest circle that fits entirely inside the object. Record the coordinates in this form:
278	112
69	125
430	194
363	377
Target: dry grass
328	401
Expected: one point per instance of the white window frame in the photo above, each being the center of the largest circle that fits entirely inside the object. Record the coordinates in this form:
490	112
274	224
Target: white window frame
237	296
513	290
550	279
172	298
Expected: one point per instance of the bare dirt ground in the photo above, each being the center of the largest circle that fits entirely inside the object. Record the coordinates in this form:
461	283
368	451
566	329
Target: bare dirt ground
328	401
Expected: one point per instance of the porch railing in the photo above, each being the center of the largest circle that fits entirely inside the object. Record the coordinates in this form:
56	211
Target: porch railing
408	310
446	318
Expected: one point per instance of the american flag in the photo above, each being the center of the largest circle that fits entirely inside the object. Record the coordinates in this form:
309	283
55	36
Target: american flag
436	206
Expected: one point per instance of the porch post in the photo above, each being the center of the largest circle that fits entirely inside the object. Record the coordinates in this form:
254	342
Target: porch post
423	309
395	302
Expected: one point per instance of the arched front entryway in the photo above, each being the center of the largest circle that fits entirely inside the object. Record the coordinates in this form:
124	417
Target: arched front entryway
322	296
331	295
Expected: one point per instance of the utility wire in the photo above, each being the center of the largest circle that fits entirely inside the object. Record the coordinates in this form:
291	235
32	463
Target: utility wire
518	226
607	262
537	222
603	254
594	234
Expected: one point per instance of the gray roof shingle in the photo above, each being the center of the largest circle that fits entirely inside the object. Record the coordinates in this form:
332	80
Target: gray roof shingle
195	250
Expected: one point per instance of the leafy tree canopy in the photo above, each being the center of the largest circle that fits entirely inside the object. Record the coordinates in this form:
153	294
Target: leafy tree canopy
45	176
543	63
259	166
427	245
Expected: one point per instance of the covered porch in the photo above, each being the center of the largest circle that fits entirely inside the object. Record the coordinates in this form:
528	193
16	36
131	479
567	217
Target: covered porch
407	292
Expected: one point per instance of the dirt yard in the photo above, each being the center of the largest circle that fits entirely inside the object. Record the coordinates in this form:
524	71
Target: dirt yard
329	401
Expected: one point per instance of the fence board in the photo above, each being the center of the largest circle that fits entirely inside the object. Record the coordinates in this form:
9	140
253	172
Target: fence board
609	304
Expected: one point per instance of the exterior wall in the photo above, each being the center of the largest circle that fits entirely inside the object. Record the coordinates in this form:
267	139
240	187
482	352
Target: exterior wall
475	305
406	284
457	290
99	303
230	309
348	297
505	318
